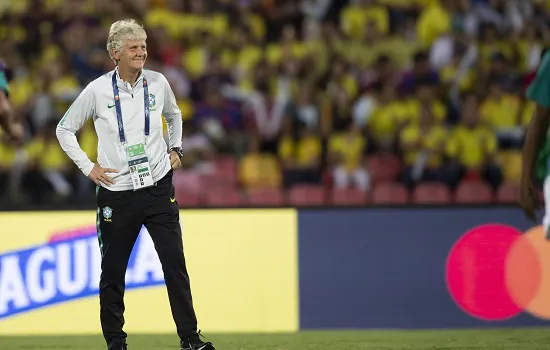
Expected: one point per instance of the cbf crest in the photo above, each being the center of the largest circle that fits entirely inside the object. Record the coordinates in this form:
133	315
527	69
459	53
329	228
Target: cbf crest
107	213
152	102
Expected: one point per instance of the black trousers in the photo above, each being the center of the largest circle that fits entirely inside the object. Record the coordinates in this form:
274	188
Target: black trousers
156	208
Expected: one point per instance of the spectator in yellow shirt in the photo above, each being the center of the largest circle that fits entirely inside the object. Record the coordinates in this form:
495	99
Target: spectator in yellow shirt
456	78
423	149
355	16
472	148
387	117
346	156
425	98
501	111
490	44
300	155
434	21
48	160
259	170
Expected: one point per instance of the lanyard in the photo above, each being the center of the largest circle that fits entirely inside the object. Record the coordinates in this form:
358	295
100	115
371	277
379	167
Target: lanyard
119	110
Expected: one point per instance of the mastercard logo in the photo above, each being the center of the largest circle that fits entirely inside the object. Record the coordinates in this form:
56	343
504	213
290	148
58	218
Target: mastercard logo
495	272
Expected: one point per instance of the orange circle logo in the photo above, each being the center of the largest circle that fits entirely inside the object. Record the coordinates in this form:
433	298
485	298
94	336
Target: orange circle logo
494	272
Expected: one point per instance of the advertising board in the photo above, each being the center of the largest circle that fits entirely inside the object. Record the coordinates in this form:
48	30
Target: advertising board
422	268
242	265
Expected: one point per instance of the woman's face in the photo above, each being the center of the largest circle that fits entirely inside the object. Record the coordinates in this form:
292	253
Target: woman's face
133	54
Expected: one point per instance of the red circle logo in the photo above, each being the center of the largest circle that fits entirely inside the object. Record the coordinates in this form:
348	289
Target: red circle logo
494	272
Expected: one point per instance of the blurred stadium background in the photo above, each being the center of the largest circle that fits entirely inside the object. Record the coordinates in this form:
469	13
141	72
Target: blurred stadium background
298	103
348	87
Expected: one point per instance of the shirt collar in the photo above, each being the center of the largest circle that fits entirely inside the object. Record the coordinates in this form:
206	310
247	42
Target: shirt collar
123	83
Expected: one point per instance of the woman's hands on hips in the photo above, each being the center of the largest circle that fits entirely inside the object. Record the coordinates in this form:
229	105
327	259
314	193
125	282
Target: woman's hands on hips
99	175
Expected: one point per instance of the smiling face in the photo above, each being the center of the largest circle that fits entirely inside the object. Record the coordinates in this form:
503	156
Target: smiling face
132	55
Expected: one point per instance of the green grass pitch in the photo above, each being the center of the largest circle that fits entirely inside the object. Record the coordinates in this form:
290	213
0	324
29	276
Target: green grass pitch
495	339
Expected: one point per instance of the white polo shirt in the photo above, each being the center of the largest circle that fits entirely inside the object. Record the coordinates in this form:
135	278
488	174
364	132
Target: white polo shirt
97	101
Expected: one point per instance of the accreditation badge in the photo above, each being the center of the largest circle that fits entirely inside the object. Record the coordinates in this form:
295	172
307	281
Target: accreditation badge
140	170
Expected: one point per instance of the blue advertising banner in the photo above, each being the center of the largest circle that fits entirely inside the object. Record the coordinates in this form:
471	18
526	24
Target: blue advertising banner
422	268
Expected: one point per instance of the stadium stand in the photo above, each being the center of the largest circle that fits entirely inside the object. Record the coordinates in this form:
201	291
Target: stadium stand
287	102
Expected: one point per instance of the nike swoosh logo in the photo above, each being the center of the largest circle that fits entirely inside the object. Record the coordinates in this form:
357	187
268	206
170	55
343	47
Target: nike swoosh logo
172	199
110	106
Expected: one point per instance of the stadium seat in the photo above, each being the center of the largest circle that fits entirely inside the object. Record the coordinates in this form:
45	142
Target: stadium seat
188	189
473	193
187	182
306	195
508	193
223	196
225	171
384	167
188	200
342	197
431	193
390	193
265	197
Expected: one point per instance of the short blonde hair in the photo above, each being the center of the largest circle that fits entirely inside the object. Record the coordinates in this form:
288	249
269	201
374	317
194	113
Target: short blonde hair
121	32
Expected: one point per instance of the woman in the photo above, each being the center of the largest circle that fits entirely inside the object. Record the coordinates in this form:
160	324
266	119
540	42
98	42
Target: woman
127	105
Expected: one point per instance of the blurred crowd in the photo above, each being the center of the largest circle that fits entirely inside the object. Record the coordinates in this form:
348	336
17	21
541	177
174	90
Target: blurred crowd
328	93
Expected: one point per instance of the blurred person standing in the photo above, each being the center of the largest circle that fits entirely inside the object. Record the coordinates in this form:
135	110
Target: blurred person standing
264	111
133	177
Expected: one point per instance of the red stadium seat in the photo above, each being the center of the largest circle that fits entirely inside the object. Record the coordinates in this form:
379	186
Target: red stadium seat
473	193
508	193
384	167
348	197
225	172
306	195
431	193
188	200
268	197
223	196
187	182
390	193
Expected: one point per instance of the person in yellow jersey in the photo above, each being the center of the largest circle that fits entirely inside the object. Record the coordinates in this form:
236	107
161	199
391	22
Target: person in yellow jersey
50	161
472	148
259	169
435	20
300	154
501	111
346	152
423	148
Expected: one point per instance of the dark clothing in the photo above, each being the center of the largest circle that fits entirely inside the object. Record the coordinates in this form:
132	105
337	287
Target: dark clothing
118	228
491	174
